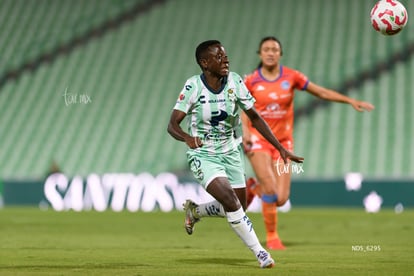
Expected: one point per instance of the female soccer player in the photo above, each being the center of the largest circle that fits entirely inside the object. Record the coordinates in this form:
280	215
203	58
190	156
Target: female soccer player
273	85
212	102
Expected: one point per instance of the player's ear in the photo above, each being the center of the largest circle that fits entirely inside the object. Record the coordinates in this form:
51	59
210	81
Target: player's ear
203	63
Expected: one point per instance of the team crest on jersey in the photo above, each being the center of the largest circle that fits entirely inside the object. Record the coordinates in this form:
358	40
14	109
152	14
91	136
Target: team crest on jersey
181	97
285	85
231	95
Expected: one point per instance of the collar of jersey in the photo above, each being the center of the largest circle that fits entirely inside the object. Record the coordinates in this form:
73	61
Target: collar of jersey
223	84
280	74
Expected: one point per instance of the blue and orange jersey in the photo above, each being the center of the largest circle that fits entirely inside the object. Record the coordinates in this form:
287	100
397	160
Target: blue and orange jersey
274	99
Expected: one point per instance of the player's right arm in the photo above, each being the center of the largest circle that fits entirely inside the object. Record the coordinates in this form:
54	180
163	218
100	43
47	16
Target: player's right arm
183	105
175	130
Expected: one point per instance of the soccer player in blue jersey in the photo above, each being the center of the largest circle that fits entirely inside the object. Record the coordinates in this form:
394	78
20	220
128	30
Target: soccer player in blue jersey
212	103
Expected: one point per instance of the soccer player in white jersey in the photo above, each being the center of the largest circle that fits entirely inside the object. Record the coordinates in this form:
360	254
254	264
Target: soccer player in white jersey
212	102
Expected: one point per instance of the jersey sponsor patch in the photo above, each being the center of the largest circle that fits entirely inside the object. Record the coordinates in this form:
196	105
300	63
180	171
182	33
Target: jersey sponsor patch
273	95
260	88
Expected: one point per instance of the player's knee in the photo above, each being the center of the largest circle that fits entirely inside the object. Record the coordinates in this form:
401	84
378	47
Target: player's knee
230	202
268	188
282	199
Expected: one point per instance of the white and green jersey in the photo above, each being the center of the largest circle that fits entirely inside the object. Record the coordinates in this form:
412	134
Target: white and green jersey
214	116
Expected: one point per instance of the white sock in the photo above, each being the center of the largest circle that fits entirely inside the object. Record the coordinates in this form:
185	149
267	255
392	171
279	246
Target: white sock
243	227
211	209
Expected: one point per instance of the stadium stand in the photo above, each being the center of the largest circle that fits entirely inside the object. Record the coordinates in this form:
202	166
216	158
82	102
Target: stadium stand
103	105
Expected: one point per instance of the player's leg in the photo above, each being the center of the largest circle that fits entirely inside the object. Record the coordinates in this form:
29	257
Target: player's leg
283	173
234	168
263	165
241	195
221	190
283	192
213	173
252	190
283	178
213	208
234	174
206	168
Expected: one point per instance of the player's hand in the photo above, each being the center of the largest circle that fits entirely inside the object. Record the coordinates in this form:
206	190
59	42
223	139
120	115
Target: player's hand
247	142
193	142
285	154
362	106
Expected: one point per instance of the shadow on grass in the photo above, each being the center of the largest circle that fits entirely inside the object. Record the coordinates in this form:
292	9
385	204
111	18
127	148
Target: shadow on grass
223	261
71	267
289	244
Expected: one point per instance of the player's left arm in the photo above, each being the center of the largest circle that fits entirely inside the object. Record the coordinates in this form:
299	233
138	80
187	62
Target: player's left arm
260	124
331	95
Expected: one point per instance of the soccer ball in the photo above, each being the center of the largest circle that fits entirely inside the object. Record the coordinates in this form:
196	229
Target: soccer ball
388	17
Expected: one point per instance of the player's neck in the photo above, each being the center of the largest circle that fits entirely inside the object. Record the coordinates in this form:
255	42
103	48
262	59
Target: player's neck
213	82
270	72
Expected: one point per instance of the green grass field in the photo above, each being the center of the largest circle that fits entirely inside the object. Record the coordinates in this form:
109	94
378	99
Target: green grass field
320	242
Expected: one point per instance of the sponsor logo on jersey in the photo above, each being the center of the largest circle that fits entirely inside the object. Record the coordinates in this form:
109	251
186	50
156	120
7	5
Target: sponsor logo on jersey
273	107
217	116
216	101
273	95
260	88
